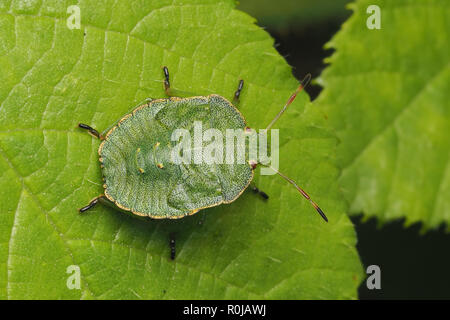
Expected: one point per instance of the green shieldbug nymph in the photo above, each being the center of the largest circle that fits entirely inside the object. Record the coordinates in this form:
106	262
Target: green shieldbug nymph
140	176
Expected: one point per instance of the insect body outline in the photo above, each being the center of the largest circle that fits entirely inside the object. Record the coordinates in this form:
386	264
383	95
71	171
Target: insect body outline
139	178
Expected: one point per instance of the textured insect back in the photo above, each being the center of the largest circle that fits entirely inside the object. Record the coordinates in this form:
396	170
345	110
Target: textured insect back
166	158
302	85
138	153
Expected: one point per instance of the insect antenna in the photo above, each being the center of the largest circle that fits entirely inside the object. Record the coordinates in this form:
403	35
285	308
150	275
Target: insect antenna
303	84
304	194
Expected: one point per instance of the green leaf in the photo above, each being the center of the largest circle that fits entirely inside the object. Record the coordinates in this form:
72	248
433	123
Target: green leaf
387	96
53	78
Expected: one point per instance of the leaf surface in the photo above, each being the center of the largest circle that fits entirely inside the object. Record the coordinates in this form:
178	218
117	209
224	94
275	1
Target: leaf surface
387	96
53	78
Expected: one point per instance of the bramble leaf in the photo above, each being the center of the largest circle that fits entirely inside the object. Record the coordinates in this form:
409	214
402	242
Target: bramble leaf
54	77
387	96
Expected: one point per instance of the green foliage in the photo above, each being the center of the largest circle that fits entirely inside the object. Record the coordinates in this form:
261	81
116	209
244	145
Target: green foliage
52	78
283	14
387	96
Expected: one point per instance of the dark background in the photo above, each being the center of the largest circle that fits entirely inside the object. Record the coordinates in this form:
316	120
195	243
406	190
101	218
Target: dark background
413	265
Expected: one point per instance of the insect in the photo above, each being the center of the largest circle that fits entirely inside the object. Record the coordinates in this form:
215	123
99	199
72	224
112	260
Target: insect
139	174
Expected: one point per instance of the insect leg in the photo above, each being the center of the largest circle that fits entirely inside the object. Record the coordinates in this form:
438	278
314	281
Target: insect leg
237	94
166	81
91	204
172	246
91	130
261	193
